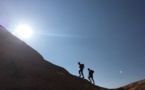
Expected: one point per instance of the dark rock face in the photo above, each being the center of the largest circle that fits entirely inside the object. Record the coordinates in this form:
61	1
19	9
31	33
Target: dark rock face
23	68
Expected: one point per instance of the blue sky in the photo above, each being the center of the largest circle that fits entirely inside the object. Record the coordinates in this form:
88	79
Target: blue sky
108	36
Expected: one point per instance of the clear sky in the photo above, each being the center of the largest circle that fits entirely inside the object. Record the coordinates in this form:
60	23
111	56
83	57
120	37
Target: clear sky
108	36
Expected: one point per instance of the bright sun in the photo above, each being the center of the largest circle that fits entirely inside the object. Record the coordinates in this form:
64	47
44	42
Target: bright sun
23	31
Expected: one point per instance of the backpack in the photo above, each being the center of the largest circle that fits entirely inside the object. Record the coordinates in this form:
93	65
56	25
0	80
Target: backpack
92	71
82	65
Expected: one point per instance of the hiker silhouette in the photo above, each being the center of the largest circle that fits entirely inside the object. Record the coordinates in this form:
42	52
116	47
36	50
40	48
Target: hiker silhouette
81	66
90	77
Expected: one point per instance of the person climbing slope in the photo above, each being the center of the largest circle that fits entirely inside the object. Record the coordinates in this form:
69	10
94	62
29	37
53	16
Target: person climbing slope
81	66
90	77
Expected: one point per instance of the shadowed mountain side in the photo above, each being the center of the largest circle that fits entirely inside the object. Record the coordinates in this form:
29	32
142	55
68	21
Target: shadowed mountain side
119	89
20	65
70	82
22	68
13	49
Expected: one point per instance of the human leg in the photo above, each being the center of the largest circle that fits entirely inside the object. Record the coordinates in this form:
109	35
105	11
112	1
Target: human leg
93	80
89	79
79	73
82	73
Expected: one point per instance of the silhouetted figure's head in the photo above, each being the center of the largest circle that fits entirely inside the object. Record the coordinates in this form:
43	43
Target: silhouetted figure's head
89	69
79	63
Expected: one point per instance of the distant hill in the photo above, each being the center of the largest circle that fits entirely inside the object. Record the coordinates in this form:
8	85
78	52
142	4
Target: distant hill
139	85
23	68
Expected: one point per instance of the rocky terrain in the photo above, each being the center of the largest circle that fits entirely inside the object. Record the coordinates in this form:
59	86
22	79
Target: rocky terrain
139	85
23	68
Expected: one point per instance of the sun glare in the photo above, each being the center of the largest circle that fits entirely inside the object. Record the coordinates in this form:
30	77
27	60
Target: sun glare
23	31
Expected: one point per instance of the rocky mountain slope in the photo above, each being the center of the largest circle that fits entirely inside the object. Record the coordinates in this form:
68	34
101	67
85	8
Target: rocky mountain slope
139	85
23	68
